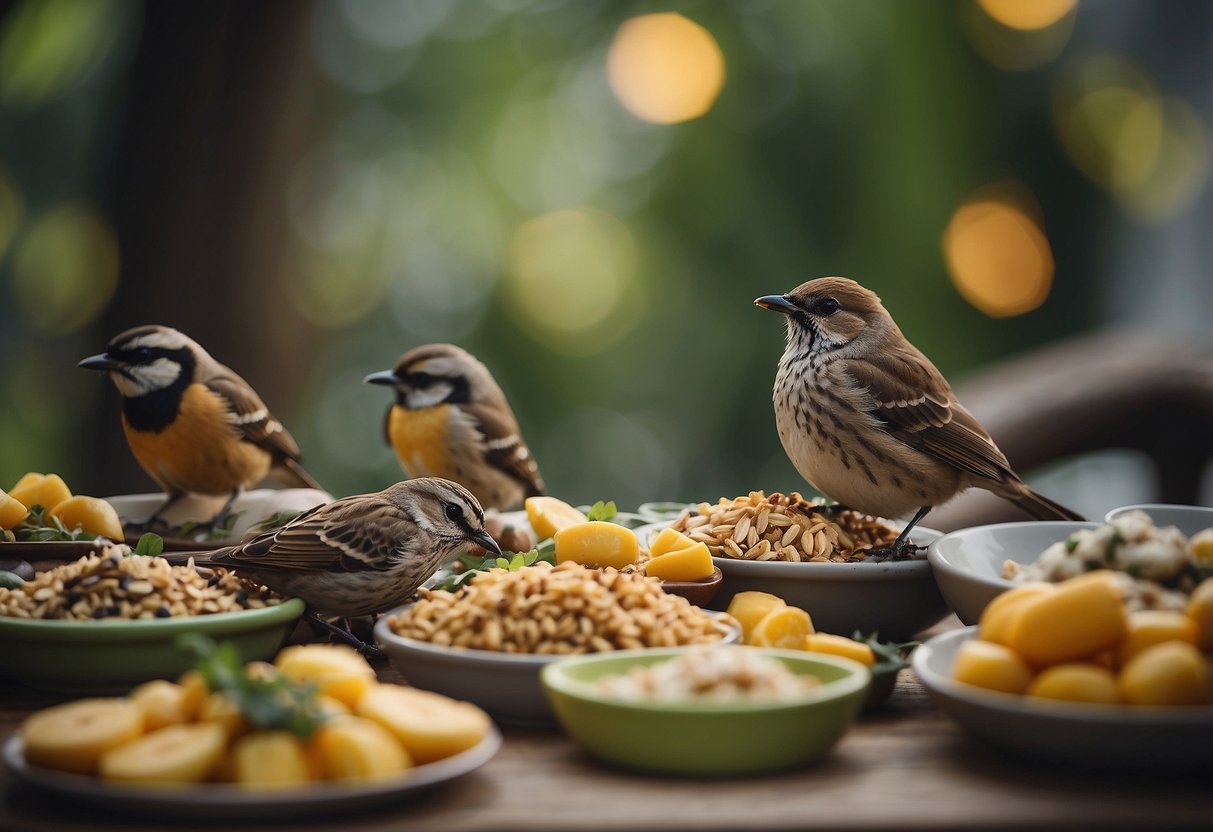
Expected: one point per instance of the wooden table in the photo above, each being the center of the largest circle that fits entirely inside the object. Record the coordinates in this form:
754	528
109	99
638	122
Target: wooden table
904	767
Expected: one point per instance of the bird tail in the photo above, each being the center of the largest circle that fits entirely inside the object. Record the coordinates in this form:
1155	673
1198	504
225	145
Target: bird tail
1041	507
294	475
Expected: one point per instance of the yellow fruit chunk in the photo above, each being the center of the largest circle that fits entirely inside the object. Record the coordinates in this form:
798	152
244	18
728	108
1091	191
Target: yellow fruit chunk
751	607
670	540
782	627
429	726
176	754
693	563
219	709
72	737
91	514
12	510
1150	627
163	703
996	618
840	646
46	490
195	691
336	670
991	666
597	543
1200	610
1171	673
548	515
1082	617
354	748
1076	682
269	760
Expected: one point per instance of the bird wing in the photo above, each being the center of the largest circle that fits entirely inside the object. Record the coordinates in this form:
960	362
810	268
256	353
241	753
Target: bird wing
353	534
504	448
917	406
250	415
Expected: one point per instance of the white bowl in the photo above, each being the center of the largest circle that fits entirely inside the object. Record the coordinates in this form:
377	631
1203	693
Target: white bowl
507	685
967	563
250	508
895	598
1188	519
1088	734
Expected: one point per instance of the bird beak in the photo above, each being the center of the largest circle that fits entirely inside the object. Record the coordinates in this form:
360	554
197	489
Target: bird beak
777	303
387	377
486	540
100	362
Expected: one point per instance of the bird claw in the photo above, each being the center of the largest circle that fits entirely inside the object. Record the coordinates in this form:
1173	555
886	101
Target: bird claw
893	552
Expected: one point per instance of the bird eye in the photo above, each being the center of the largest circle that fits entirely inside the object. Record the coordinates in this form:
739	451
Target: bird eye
826	307
140	354
453	512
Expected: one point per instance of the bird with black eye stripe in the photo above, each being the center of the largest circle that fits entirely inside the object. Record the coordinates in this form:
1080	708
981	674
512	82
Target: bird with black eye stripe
450	419
193	424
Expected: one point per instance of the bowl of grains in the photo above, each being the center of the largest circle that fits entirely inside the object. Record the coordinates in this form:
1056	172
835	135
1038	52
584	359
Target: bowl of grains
722	710
487	641
816	559
108	621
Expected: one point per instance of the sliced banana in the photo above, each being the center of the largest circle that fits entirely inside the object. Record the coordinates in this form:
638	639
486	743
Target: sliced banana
72	737
176	754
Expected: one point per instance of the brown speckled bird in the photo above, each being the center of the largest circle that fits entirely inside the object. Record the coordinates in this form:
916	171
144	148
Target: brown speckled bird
869	421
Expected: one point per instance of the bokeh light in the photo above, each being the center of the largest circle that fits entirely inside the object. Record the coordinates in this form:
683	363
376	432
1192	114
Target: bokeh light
1151	152
66	268
997	256
1019	35
1027	14
569	274
49	46
665	68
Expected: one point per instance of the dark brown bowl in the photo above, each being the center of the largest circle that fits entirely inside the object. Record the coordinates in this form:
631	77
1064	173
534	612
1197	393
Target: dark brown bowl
699	593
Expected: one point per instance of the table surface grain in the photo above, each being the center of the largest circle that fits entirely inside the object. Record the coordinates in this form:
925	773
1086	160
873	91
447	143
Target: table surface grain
906	766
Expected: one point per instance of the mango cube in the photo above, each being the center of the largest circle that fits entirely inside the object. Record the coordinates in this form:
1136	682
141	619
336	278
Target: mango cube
1171	673
694	563
1076	682
89	514
430	726
548	515
670	540
270	760
750	607
46	490
840	646
597	543
12	511
782	627
1150	627
336	670
1200	610
991	666
354	748
996	618
1082	617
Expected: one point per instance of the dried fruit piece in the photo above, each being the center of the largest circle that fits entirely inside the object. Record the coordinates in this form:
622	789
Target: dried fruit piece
549	515
73	736
429	726
176	754
354	748
840	646
336	670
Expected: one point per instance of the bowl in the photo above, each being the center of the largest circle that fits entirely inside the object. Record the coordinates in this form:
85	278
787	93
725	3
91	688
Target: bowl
967	563
1188	519
703	737
896	599
1066	732
112	656
506	685
249	508
699	593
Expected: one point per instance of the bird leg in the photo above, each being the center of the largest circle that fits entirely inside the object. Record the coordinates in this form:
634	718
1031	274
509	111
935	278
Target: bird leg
151	521
901	547
343	634
221	516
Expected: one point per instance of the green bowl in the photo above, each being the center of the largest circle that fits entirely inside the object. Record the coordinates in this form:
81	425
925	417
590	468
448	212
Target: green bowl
702	737
114	656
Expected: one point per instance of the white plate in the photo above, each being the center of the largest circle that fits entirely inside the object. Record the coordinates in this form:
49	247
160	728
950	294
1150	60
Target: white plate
1089	734
220	801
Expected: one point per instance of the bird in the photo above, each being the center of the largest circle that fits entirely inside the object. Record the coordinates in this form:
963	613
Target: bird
450	419
193	424
870	422
358	555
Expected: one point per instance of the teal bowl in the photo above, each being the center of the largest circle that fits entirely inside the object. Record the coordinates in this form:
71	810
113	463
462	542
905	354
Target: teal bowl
705	737
106	657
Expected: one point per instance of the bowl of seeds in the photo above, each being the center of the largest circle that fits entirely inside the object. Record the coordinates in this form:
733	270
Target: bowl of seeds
110	620
487	641
817	558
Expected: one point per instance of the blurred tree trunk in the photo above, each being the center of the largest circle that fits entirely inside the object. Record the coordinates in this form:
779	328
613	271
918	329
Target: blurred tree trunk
216	116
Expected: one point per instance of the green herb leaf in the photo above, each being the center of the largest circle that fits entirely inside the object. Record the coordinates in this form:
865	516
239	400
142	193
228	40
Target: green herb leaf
602	511
150	544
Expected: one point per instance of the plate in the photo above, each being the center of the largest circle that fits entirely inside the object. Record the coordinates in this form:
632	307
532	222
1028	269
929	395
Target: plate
1116	736
218	801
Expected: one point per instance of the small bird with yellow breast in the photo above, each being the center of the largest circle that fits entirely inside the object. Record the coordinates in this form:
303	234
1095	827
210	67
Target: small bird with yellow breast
450	419
193	424
359	555
870	422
